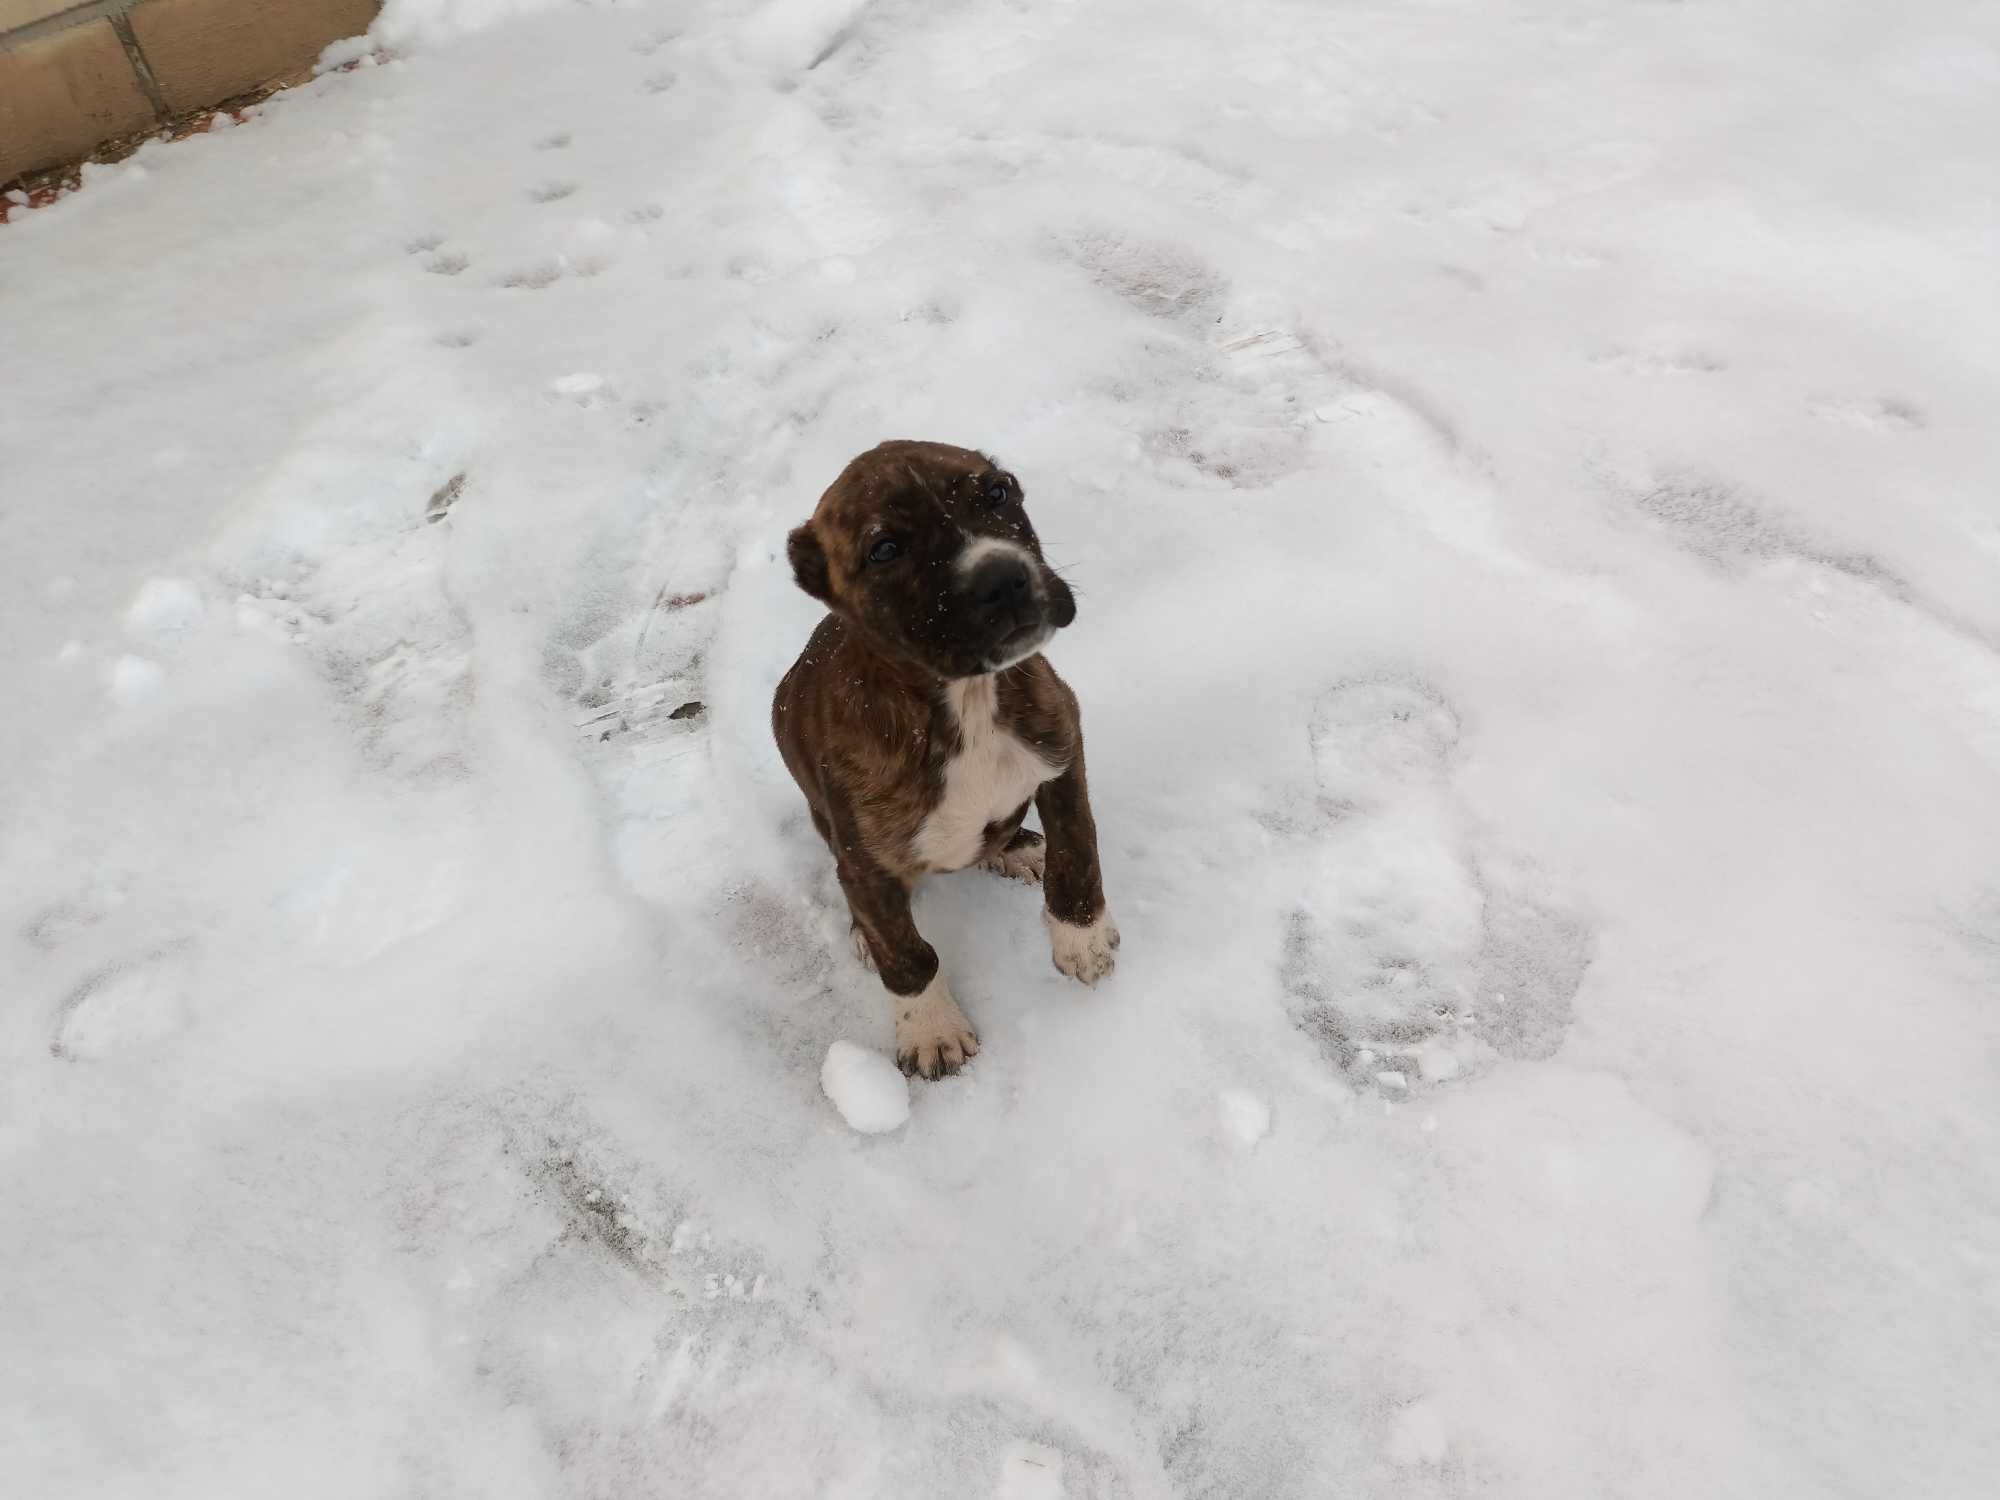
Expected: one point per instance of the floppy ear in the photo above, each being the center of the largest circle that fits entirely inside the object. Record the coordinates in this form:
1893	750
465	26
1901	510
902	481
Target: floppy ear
808	562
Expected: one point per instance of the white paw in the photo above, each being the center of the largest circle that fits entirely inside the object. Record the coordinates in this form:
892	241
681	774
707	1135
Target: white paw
1024	863
1086	954
859	940
933	1037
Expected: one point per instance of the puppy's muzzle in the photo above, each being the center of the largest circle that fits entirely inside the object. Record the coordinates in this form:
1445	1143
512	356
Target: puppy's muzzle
1009	603
1002	586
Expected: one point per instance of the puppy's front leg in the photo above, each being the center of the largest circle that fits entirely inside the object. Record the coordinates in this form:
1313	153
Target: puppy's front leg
1082	937
933	1037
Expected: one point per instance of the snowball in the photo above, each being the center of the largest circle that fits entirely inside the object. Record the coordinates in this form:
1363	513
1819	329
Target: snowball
1246	1119
871	1095
164	607
135	680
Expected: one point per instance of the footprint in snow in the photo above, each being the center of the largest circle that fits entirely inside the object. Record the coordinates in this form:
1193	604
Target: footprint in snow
1412	954
551	192
123	1004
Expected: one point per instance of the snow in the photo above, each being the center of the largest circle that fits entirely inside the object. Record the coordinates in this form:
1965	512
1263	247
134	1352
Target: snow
1246	1119
1527	471
1417	1436
866	1087
1031	1471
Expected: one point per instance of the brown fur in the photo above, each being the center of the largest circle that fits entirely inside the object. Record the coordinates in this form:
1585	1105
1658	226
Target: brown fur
866	718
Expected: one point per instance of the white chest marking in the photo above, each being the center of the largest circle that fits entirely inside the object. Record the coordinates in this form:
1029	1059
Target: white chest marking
992	775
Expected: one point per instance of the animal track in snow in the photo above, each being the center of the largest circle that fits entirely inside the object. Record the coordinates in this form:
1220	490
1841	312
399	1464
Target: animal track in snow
557	142
659	83
534	276
450	263
551	192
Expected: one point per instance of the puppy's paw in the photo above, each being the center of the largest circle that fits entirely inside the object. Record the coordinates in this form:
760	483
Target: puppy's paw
863	955
1023	861
933	1037
1086	954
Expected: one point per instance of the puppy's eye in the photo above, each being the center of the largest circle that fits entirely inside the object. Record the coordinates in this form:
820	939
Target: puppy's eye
886	550
996	492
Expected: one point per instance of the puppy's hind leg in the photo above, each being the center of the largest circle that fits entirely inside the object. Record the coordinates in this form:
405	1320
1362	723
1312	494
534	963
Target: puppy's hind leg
1021	858
863	954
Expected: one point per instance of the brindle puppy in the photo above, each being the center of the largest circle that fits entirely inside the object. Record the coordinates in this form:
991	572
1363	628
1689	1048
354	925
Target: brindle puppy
921	720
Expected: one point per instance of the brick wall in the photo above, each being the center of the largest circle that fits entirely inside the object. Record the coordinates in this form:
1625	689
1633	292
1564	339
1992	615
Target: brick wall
77	73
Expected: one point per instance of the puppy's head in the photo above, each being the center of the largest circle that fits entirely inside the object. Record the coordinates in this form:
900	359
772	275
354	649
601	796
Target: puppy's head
927	549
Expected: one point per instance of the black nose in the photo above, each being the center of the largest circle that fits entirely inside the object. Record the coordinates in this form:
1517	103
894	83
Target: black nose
999	583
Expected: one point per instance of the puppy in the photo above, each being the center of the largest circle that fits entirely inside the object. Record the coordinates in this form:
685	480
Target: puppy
921	720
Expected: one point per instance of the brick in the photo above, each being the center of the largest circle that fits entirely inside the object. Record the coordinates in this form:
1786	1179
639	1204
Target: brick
205	51
63	95
15	13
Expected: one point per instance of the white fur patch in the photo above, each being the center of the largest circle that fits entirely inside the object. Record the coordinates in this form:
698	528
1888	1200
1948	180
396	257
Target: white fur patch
979	548
1086	954
992	775
933	1037
1021	653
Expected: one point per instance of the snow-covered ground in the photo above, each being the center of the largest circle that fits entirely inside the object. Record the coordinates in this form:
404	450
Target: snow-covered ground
1529	470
